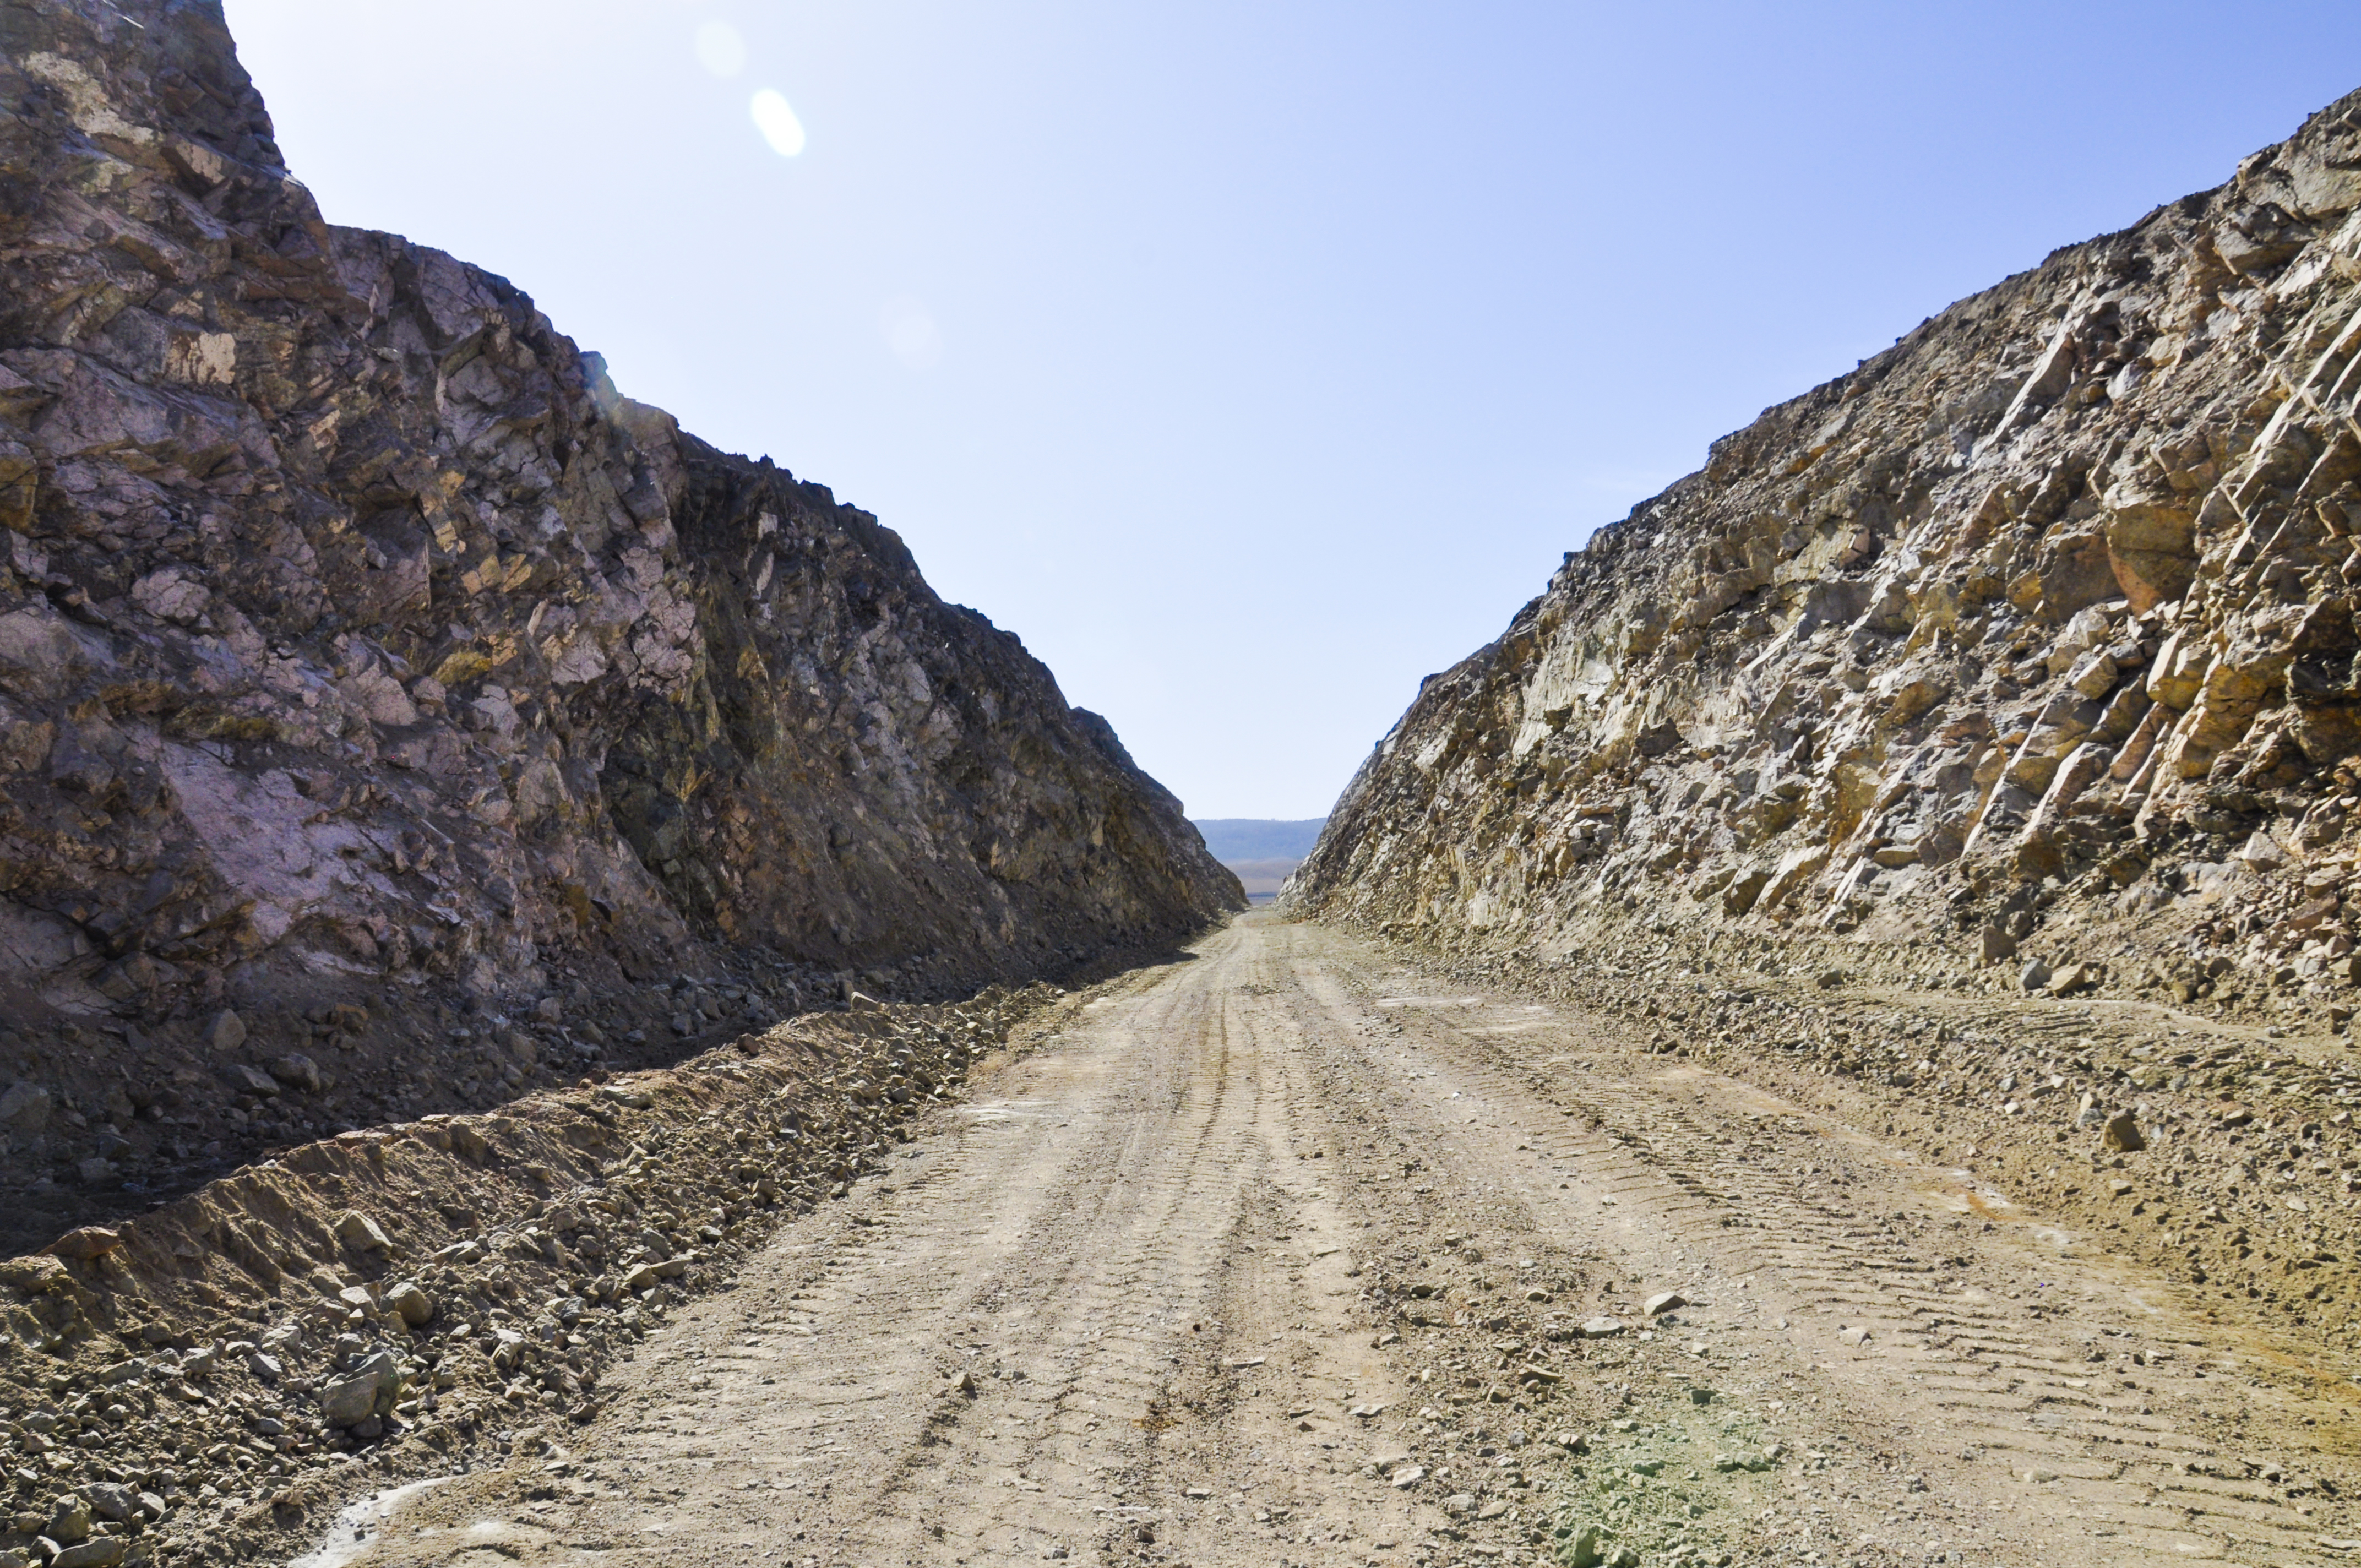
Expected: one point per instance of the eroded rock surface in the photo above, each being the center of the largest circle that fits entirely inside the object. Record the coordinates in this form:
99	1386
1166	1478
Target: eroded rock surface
392	713
2032	641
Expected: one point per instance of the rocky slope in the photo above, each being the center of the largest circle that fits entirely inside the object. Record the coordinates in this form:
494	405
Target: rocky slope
2034	631
392	713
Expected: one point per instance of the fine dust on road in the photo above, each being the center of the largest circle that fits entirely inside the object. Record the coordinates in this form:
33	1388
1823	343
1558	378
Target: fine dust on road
1280	1256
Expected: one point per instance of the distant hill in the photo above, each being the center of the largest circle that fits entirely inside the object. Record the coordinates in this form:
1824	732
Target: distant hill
1258	839
1261	852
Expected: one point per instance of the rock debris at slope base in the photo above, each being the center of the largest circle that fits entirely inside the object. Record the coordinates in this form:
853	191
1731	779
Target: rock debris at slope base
2031	641
388	707
210	1381
2241	1179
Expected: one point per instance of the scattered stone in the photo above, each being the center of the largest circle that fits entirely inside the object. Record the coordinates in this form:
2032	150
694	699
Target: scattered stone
411	1303
2034	976
369	1391
1409	1476
361	1233
297	1071
252	1080
2122	1133
82	1246
103	1552
1602	1328
1855	1337
2071	979
1665	1301
224	1032
25	1110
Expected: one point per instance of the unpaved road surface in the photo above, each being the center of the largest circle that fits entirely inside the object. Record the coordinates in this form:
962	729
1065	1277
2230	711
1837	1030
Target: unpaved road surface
1283	1255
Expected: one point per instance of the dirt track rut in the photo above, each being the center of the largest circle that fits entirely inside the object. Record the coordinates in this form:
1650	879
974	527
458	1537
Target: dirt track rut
1204	1275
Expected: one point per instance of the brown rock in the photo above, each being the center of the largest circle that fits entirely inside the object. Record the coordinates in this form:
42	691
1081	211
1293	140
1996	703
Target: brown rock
2122	1133
82	1246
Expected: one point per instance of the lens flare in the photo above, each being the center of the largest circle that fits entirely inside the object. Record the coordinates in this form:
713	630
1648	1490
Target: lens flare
719	49
778	123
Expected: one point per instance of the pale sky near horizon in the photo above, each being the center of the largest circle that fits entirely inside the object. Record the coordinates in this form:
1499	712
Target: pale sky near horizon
1252	361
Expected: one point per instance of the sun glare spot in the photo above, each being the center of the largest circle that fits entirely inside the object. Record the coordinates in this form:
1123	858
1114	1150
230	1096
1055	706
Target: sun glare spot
910	332
778	124
719	49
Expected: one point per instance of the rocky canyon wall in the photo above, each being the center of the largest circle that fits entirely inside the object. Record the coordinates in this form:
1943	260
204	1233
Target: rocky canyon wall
2035	632
392	713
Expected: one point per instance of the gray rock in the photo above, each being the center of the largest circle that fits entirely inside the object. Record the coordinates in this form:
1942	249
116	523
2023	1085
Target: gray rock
104	1553
25	1109
111	1501
1602	1328
224	1032
370	1390
69	1519
297	1071
250	1081
2034	976
1664	1303
1409	1476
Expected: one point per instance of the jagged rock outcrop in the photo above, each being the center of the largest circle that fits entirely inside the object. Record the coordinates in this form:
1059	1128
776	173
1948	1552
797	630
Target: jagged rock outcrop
2041	621
373	673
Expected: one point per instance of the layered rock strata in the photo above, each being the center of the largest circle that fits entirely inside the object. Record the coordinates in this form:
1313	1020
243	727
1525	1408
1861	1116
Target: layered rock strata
2035	630
383	696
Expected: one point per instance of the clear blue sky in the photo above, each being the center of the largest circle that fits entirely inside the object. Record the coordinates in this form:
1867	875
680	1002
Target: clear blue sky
1252	360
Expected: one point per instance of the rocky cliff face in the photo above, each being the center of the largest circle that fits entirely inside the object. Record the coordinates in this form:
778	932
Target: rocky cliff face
2035	628
373	673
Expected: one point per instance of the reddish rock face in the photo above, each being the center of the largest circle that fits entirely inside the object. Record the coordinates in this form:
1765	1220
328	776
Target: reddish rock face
371	669
2045	609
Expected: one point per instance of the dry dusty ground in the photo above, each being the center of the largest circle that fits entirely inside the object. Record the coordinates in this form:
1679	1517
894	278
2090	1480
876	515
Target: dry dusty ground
1281	1255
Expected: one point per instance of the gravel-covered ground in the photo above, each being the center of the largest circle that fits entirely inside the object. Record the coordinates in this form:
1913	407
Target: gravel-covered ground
1301	1253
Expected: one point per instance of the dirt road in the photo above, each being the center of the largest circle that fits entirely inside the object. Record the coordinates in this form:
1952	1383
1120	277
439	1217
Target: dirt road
1282	1255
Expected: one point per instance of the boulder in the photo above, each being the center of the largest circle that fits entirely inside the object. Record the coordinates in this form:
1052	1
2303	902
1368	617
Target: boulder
361	1233
82	1244
297	1071
411	1303
370	1390
223	1032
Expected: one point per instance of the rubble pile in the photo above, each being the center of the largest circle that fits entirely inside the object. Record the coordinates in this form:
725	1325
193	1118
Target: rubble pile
198	1384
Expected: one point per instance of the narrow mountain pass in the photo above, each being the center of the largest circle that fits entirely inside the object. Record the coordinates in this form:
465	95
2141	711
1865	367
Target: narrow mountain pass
1284	1255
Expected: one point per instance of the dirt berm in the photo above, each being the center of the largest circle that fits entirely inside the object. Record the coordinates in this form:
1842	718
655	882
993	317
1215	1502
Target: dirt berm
199	1382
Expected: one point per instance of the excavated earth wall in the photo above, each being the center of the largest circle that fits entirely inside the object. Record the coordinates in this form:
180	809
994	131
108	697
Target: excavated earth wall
394	717
2023	655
